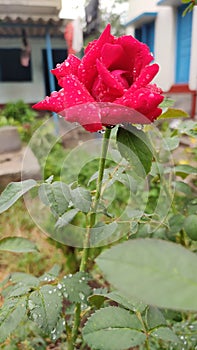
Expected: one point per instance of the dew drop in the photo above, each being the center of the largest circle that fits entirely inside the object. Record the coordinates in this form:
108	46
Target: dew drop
82	296
53	331
59	286
50	291
101	131
67	64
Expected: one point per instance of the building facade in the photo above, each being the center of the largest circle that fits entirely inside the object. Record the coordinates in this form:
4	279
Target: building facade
172	38
31	43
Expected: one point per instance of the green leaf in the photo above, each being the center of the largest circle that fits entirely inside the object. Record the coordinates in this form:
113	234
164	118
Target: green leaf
17	245
176	223
56	195
52	274
102	234
81	199
171	143
154	318
11	314
128	303
135	266
24	278
112	328
183	187
134	146
167	102
45	305
76	288
173	113
183	170
66	218
13	192
166	334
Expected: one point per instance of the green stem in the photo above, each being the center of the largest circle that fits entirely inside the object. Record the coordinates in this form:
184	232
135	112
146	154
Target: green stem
85	255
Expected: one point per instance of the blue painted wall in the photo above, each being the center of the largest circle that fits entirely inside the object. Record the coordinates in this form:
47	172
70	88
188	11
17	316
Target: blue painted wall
146	34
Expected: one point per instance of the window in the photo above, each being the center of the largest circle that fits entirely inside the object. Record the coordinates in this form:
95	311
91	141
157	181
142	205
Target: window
183	40
11	69
58	55
146	34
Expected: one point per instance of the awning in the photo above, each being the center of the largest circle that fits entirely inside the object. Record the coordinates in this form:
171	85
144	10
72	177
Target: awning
169	2
141	19
12	27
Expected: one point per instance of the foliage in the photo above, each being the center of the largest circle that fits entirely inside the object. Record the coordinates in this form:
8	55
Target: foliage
190	7
150	229
21	115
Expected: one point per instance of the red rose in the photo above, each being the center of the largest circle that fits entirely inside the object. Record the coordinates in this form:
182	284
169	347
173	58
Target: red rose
108	86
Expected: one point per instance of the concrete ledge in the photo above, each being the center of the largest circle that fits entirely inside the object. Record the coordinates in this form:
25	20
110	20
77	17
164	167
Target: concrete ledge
13	167
9	139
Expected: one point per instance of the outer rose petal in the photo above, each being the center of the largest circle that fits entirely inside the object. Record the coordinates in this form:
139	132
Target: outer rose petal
145	100
69	66
75	92
146	76
80	106
87	69
55	102
87	115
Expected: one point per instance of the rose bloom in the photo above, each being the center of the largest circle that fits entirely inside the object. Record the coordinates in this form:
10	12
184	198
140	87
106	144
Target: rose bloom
110	85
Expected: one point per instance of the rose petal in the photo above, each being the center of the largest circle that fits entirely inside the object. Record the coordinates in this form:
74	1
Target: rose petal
144	100
106	87
69	66
138	54
114	57
75	92
87	115
87	69
146	76
55	102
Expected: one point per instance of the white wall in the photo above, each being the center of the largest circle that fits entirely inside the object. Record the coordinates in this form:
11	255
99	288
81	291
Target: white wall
29	92
165	46
137	7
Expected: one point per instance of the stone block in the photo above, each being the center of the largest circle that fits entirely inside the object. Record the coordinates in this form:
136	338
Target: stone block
9	139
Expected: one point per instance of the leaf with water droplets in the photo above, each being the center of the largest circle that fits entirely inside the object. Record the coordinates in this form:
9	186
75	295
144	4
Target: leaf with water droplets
113	328
56	195
166	334
11	314
47	307
52	274
81	199
76	288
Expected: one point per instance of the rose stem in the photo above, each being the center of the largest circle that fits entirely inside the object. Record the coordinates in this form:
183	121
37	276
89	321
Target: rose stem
84	259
